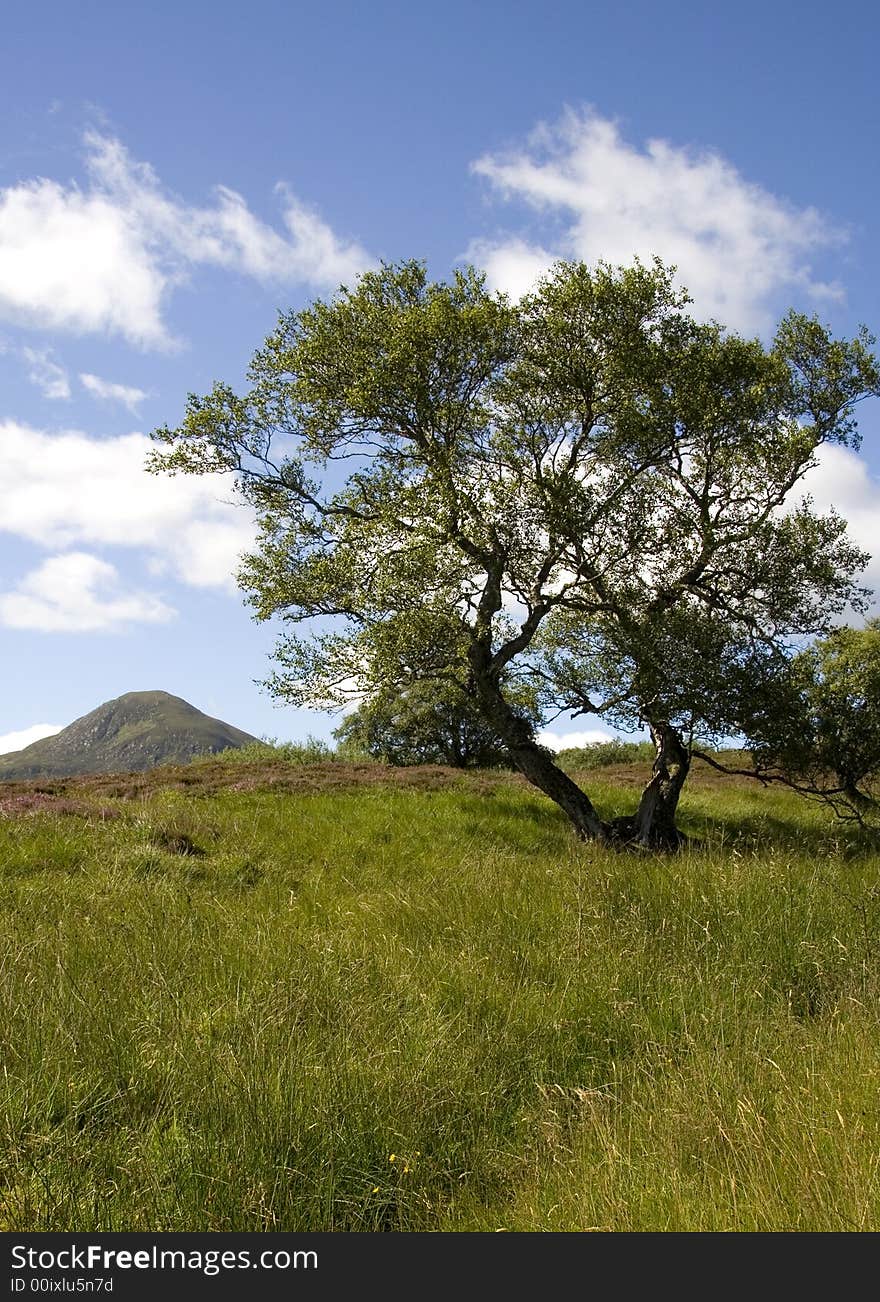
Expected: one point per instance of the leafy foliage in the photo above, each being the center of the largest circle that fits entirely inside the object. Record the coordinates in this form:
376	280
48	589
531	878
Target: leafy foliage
596	756
311	751
423	725
825	738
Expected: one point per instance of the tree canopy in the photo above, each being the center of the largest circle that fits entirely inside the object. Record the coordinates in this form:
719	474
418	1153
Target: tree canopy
424	723
587	495
823	737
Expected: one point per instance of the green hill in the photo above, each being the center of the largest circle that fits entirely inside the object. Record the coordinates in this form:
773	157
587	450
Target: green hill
249	995
134	732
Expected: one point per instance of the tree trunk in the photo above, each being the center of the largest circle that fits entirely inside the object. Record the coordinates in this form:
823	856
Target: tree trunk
653	825
455	748
536	765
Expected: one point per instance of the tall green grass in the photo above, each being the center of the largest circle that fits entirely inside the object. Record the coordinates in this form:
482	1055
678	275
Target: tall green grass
386	1010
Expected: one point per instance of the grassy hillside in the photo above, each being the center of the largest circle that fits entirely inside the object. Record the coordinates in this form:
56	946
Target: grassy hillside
256	996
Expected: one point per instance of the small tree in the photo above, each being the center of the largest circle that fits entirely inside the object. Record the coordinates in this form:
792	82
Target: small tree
823	736
426	723
583	492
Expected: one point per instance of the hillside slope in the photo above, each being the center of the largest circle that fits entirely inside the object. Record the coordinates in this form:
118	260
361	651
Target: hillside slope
131	733
319	999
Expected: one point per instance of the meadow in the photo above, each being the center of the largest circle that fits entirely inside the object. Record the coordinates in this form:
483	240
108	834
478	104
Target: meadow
271	994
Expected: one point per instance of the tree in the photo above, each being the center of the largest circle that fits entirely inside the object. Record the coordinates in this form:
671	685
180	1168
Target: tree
583	493
823	739
426	723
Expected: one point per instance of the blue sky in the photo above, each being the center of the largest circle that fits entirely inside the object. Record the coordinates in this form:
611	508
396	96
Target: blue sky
171	175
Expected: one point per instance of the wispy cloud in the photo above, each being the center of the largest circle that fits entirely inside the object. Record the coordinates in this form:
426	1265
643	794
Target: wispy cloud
108	391
593	195
48	376
105	258
77	593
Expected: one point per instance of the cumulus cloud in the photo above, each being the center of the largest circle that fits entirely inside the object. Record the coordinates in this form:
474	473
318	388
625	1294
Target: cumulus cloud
512	265
107	391
843	480
572	740
47	375
71	490
10	741
104	257
77	593
737	246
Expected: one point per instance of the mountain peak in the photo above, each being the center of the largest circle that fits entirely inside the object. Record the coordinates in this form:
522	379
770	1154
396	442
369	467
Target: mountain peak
132	732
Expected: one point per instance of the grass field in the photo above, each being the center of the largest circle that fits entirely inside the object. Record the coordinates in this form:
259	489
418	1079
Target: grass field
276	996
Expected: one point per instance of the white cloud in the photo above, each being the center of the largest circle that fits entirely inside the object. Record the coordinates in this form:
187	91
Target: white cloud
107	391
512	265
843	480
75	261
736	246
46	374
10	741
77	593
573	740
69	490
105	257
